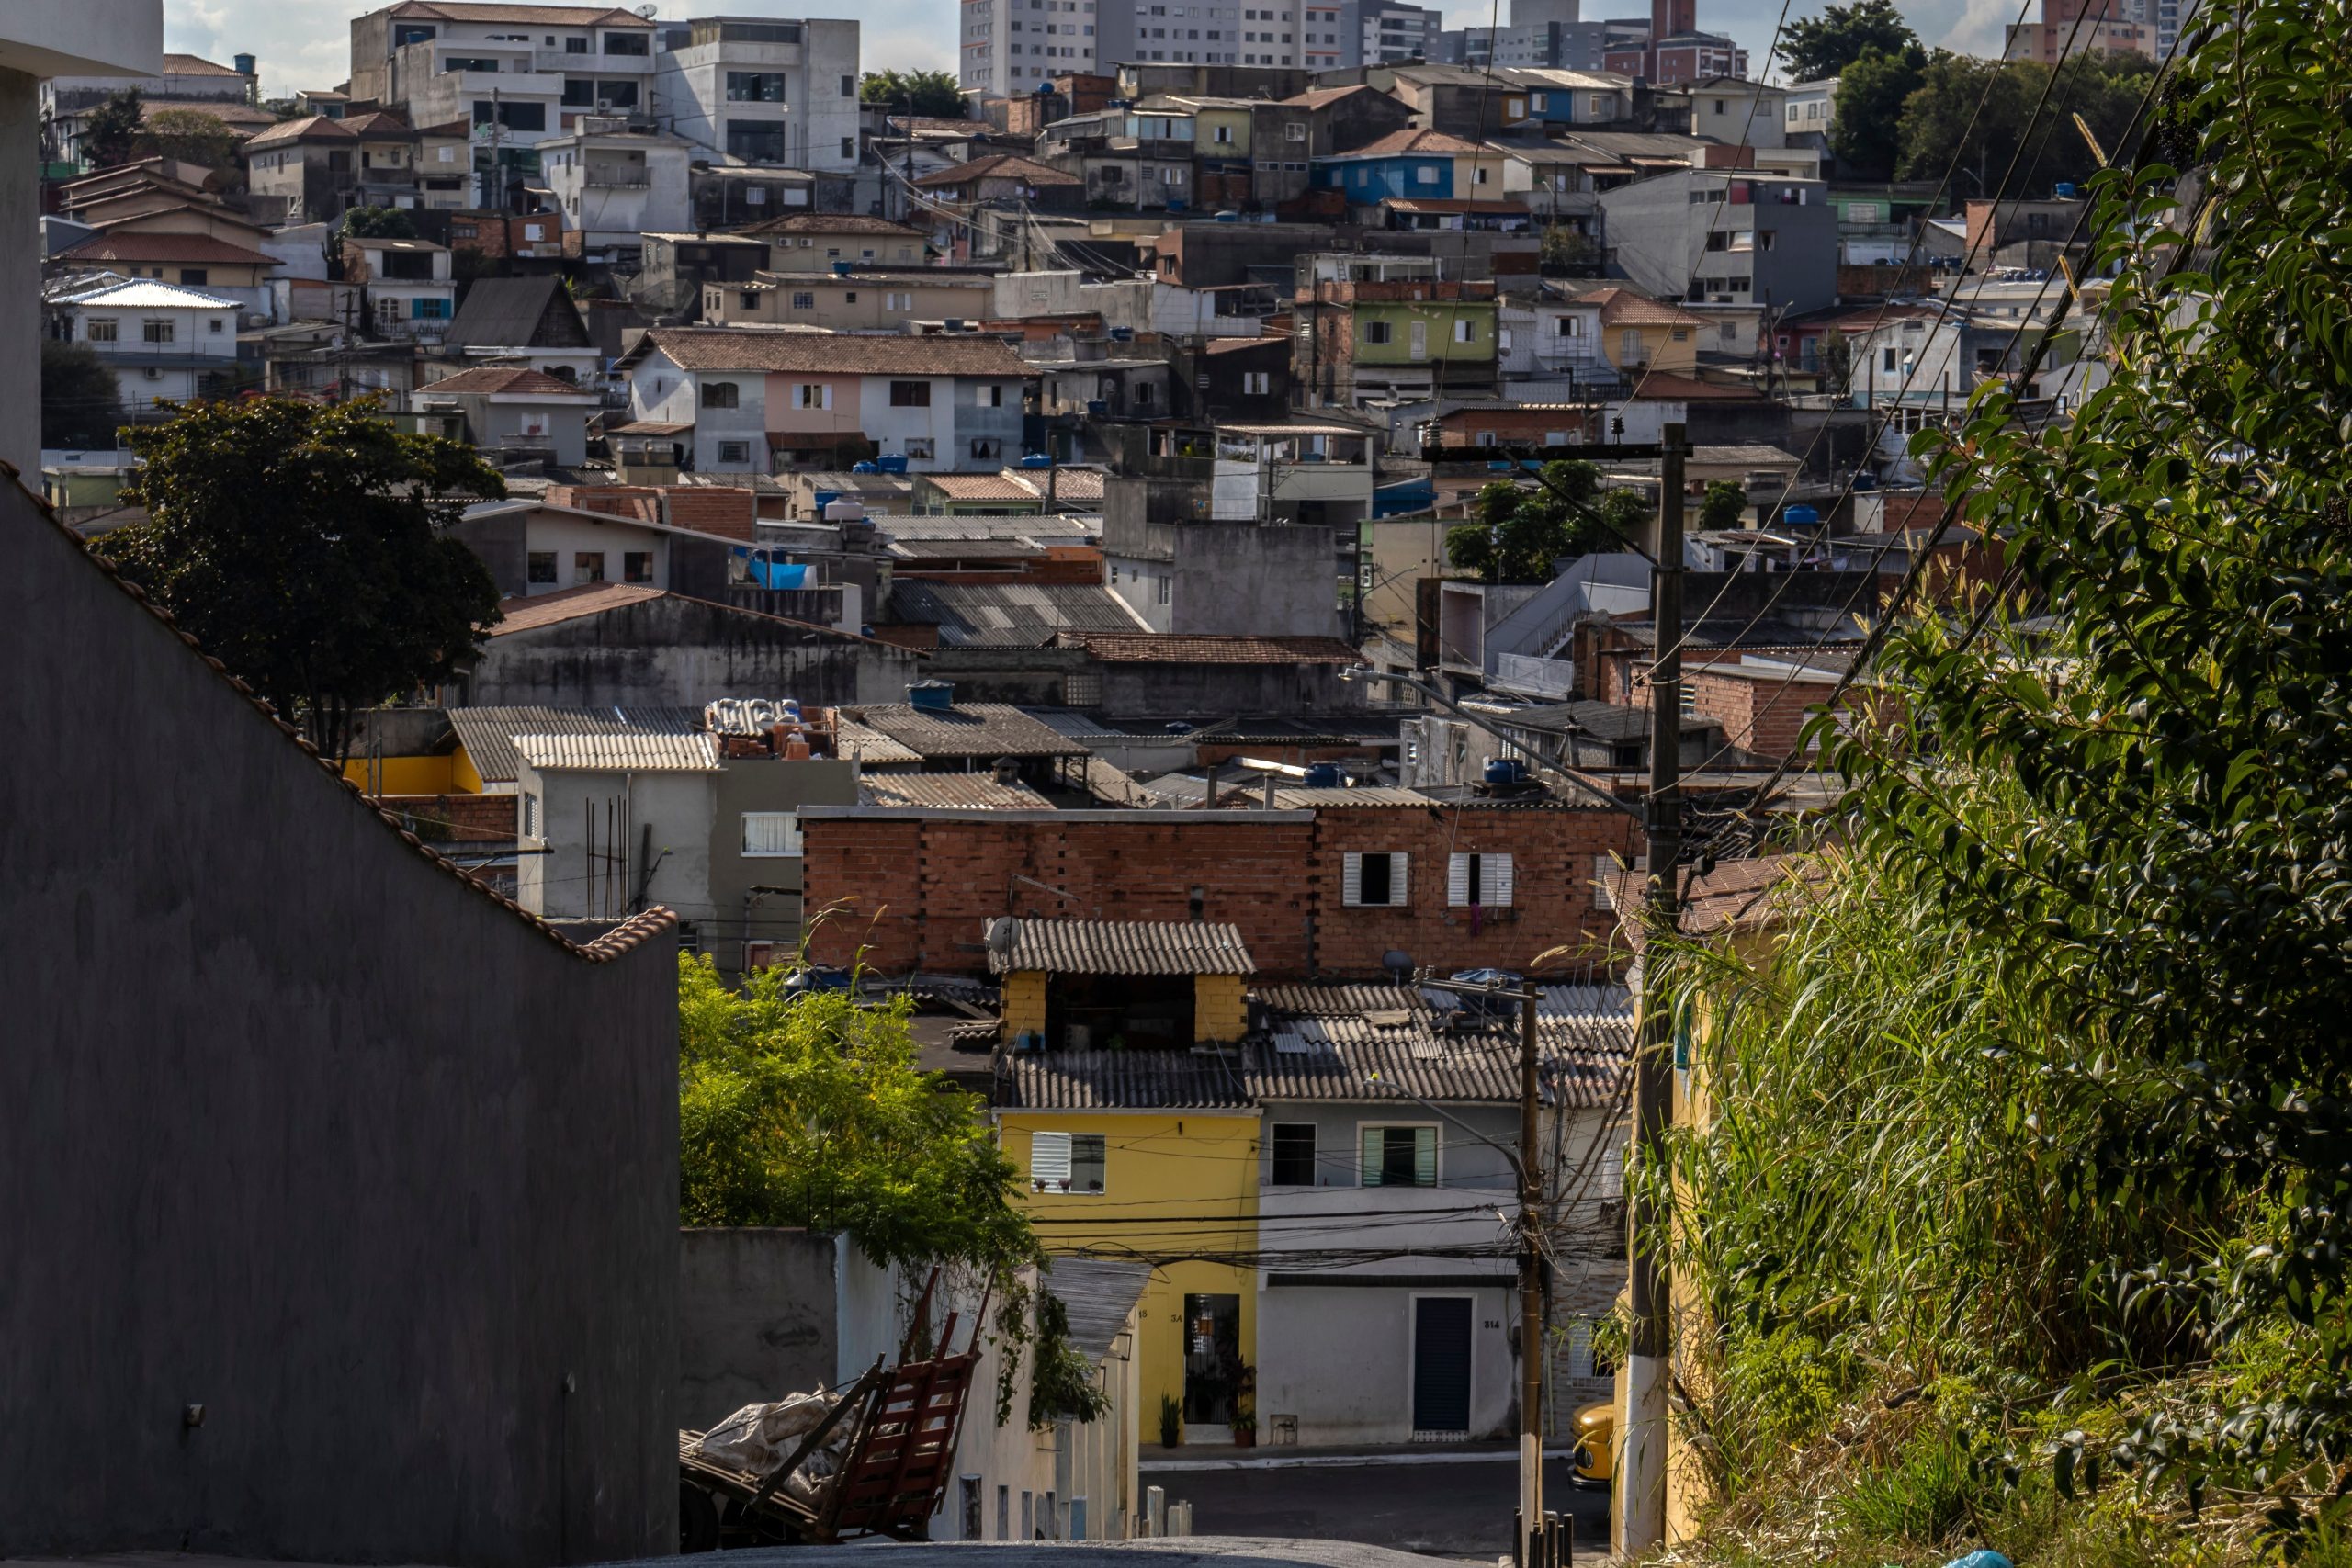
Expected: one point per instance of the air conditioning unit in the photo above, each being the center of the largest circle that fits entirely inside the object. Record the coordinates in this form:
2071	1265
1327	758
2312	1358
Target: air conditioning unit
152	373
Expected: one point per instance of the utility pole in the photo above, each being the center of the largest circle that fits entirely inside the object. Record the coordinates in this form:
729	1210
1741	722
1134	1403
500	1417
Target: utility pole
1641	1514
1532	1552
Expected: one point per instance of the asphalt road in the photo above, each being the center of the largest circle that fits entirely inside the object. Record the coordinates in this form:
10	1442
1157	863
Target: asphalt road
1461	1510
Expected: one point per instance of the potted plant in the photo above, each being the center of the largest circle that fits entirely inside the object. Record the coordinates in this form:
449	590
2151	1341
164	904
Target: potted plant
1171	1422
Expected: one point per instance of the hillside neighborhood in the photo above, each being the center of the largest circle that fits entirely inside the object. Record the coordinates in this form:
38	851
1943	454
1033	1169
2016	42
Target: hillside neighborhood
1330	772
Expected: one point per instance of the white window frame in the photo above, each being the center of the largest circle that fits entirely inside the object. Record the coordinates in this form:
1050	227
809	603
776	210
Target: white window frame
1495	877
765	819
1399	881
1053	1163
822	400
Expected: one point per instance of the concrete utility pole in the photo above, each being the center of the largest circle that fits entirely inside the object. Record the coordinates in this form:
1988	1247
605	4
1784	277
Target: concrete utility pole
1531	1298
1641	1514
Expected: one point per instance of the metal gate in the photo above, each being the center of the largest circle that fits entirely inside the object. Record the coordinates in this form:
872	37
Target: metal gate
1442	1366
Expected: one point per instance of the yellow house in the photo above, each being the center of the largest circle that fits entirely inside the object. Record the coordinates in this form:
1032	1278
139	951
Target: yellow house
1638	332
1133	1142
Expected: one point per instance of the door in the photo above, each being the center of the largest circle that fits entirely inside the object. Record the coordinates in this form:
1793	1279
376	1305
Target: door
1421	340
1440	1365
1212	1359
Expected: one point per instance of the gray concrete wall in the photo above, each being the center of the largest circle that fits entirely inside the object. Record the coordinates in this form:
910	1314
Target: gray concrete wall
683	652
1241	578
661	817
758	1318
298	1125
762	783
20	333
1462	1161
1160	691
1340	1358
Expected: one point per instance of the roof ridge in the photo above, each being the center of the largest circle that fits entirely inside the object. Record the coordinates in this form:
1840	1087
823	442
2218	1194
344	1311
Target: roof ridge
610	945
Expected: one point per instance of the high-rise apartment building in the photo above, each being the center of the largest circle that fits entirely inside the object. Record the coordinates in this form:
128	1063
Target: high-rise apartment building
1385	31
761	90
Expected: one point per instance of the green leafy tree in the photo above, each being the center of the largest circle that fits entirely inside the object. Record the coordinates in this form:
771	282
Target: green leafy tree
306	548
1567	251
1519	532
1624	513
1867	131
2043	1102
1937	120
81	401
1814	47
112	136
1725	505
189	136
1835	358
378	223
934	95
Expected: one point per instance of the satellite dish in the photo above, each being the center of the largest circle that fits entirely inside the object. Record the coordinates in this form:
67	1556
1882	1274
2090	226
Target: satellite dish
649	10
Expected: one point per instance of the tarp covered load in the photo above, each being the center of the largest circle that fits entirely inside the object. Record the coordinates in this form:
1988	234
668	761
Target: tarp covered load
759	1437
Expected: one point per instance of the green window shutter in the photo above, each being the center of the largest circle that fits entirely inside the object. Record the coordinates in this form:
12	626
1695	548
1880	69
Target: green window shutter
1374	1146
1425	1157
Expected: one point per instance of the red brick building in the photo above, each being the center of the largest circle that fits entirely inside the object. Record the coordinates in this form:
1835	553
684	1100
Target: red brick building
1329	892
1762	700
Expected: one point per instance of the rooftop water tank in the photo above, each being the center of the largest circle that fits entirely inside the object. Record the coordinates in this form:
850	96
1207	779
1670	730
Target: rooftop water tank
932	697
1324	775
1037	460
1505	770
1801	516
894	463
867	468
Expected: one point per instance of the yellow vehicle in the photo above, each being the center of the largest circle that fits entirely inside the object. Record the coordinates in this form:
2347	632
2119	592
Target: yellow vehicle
1595	1460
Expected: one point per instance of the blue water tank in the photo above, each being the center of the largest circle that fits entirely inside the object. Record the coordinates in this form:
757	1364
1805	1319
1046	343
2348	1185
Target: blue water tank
1801	516
867	468
1037	460
2064	190
1505	770
1229	216
1866	480
894	463
932	697
1097	408
824	498
1123	334
842	269
1175	206
1324	775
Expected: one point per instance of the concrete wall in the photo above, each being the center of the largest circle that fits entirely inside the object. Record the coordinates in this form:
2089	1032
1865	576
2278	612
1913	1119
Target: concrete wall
1227	578
757	1318
677	651
299	1125
1341	1359
609	834
762	783
20	275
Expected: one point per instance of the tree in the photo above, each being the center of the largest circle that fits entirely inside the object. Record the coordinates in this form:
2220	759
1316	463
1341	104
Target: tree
306	548
189	136
1725	505
1567	251
1814	47
113	132
1518	532
378	223
1625	514
934	93
81	401
1866	134
2106	89
1835	358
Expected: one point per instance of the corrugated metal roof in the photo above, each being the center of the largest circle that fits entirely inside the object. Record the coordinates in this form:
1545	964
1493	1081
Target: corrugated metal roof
964	791
1117	947
967	729
1097	1080
989	615
488	733
618	753
1100	1293
870	746
1051	526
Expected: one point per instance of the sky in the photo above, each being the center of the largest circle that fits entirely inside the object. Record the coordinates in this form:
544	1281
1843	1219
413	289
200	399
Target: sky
307	43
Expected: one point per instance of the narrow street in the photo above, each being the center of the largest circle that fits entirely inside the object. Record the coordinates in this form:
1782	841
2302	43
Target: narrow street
1453	1505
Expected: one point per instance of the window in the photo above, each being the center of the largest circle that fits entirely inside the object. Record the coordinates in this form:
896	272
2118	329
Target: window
897	301
734	454
720	395
1294	1155
1679	334
1398	1157
804	300
541	568
1466	331
1378	332
755	86
813	395
1886	360
156	332
194	274
530	821
587	566
1294	130
849	147
1425	174
637	566
910	394
1224	134
625	43
575	46
1067	1162
616	95
920	449
1477	879
988	397
768	834
1257	383
99	329
755	141
1373	881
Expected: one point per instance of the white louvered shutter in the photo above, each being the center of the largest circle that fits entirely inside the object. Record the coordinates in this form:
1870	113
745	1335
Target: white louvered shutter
1049	1161
1397	880
1351	880
1457	880
1495	881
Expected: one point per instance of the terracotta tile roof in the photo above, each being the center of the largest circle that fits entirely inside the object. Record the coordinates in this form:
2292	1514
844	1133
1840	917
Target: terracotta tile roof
832	223
1315	97
1623	307
1067	484
977	486
379	124
1244	344
629	935
570	604
1154	648
491	378
835	353
1117	947
1664	386
1396	144
1001	166
196	249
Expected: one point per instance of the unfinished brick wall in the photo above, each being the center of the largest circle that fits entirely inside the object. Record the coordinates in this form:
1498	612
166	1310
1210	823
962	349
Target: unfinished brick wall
917	891
454	819
1763	712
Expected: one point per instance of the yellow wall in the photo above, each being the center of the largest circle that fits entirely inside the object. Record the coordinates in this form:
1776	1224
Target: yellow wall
1220	1009
411	775
1025	1003
1160	1169
462	773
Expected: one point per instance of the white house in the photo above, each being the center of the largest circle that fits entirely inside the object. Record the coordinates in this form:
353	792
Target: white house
613	184
764	90
166	342
615	823
408	289
747	397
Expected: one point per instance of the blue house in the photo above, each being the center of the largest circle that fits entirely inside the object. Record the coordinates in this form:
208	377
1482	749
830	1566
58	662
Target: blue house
1402	165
